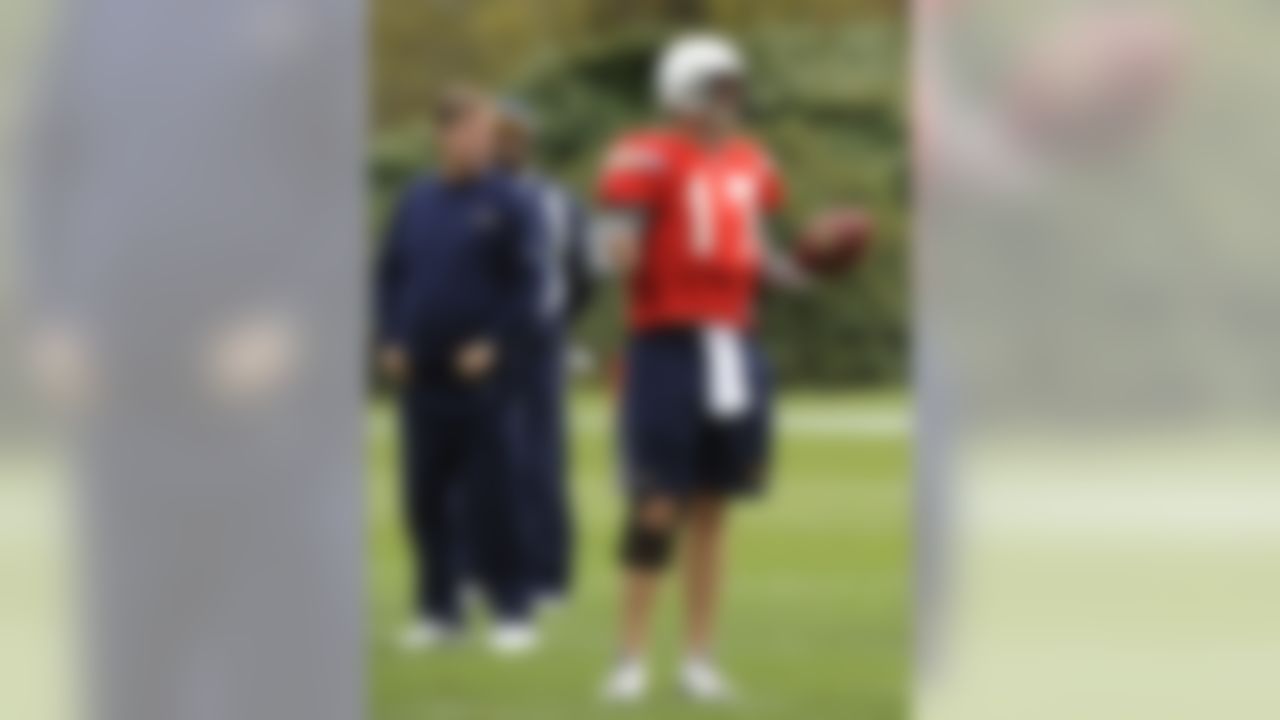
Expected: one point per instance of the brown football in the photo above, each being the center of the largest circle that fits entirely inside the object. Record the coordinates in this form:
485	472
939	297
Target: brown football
835	241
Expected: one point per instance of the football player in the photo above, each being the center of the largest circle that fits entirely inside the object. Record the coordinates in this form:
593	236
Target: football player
685	209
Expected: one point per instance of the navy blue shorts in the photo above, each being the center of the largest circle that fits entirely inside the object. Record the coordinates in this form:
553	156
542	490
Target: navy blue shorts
671	443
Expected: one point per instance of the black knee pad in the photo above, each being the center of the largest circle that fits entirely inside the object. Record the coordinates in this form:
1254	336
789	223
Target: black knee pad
646	548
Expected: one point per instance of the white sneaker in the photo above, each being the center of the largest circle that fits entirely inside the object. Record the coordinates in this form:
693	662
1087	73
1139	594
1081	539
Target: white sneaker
703	682
513	638
423	634
628	683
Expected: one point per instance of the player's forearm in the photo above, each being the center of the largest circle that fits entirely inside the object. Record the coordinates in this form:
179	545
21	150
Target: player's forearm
780	269
782	272
619	233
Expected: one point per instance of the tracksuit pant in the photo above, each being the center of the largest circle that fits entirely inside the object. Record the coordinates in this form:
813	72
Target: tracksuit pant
461	476
544	495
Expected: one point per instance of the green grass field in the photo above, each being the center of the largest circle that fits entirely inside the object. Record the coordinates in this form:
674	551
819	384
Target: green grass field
816	616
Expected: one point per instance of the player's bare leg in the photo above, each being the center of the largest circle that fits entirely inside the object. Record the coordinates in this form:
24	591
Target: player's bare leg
654	524
704	566
704	558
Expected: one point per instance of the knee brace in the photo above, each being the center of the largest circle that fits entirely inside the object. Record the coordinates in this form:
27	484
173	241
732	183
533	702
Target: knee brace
645	548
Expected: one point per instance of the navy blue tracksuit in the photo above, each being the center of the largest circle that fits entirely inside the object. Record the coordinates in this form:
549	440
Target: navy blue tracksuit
564	288
461	263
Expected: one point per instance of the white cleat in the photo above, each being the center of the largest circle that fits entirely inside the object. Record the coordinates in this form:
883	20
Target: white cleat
628	683
513	638
701	681
423	635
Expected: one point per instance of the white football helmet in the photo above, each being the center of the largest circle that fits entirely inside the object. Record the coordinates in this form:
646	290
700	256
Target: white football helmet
689	65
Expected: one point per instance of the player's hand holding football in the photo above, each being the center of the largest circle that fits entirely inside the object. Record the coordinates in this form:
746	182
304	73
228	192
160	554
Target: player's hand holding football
393	363
834	242
476	359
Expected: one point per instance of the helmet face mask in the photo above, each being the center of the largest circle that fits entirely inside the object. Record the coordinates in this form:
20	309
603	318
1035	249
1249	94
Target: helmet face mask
702	78
722	102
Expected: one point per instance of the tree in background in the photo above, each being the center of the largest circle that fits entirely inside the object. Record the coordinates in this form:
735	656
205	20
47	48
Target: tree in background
829	87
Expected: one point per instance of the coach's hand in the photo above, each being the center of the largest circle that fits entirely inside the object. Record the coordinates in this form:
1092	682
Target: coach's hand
393	363
476	359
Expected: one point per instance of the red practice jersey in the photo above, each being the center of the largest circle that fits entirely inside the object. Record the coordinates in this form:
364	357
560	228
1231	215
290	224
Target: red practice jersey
703	208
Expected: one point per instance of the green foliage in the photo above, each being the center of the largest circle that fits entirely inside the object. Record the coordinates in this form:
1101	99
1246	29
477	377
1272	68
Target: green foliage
828	101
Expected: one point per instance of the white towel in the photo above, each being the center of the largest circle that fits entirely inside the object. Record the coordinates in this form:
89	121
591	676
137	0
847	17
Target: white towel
726	381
